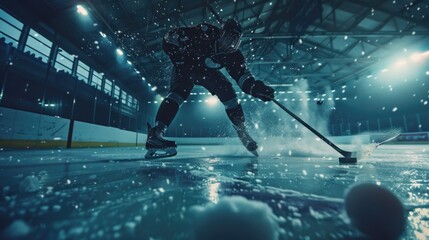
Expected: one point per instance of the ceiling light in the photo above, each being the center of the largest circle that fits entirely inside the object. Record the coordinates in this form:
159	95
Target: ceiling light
119	52
130	63
102	34
212	100
81	10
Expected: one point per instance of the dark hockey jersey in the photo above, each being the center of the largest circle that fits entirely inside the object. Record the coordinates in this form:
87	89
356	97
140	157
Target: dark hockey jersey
195	47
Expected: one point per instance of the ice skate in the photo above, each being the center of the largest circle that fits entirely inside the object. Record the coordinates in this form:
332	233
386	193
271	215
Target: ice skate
157	146
247	141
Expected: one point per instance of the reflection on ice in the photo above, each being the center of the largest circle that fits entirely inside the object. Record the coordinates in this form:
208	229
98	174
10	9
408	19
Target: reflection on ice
213	190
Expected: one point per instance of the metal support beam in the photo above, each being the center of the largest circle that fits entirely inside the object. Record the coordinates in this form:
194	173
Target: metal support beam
325	34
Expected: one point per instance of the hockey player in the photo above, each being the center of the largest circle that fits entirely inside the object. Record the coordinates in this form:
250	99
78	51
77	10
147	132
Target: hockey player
197	54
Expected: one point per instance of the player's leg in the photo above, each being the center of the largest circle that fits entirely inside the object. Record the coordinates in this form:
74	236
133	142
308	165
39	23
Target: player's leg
219	85
156	144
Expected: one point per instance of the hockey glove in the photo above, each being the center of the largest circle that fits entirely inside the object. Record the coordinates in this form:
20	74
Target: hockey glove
262	91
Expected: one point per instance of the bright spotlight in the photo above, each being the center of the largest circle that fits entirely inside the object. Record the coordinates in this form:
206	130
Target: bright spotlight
405	67
416	57
102	34
129	62
400	63
119	52
419	57
212	100
81	10
154	88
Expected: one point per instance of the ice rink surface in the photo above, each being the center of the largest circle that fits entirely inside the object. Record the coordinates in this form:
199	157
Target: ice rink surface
114	193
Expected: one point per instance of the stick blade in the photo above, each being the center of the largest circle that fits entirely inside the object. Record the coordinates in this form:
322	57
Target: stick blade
347	160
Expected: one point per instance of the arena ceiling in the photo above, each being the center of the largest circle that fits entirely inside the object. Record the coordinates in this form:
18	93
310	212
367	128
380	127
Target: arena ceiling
331	43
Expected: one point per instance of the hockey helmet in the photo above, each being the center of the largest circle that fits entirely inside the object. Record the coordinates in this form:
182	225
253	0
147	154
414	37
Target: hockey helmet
230	37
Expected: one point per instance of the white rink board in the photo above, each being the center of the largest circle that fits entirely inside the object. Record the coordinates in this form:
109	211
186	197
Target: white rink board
21	125
87	132
27	126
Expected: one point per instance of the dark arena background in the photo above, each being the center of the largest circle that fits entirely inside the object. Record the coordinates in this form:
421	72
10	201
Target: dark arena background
342	144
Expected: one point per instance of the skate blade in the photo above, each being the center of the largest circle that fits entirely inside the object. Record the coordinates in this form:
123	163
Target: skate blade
160	153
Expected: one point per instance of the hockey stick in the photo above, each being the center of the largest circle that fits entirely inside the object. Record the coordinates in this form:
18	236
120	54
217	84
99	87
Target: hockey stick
348	157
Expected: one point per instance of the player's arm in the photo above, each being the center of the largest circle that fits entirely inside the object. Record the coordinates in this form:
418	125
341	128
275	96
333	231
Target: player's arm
235	65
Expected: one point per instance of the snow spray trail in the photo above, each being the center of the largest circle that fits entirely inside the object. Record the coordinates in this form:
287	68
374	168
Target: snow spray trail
365	150
280	134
